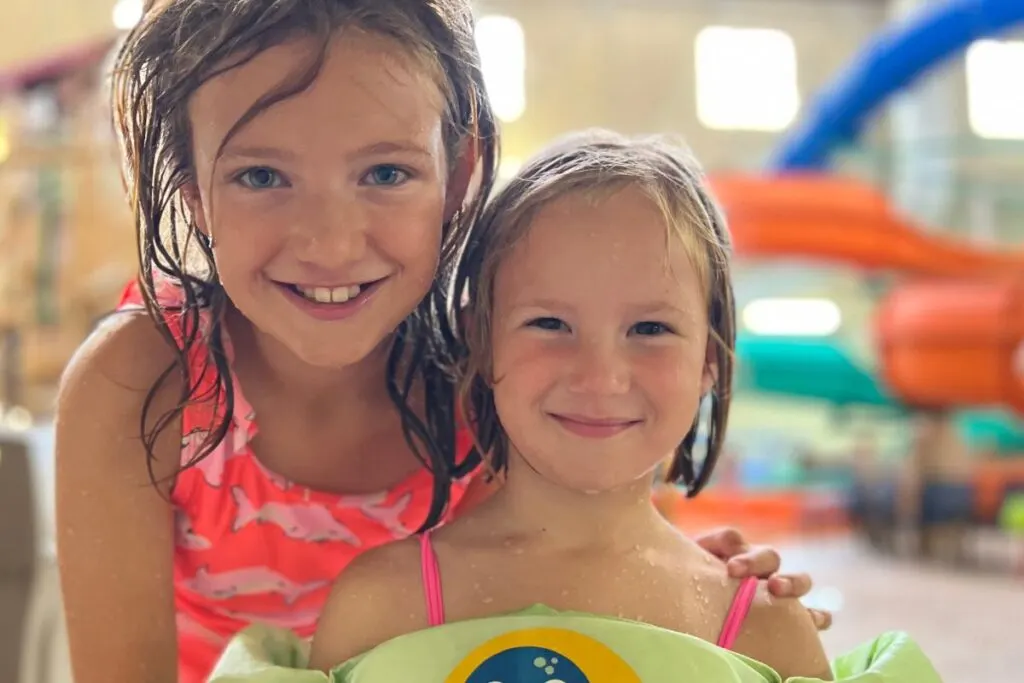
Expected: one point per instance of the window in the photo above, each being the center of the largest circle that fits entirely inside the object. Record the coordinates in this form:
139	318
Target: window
792	317
995	91
746	79
502	46
127	13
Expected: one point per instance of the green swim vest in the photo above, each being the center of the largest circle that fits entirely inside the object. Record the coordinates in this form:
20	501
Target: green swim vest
540	645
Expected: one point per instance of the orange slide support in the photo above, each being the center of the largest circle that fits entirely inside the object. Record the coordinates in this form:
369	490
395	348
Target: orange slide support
842	220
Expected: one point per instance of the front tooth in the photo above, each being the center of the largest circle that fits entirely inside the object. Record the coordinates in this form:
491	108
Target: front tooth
322	295
339	295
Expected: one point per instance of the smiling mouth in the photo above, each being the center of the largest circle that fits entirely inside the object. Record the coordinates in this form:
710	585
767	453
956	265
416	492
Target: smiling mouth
595	421
591	427
339	294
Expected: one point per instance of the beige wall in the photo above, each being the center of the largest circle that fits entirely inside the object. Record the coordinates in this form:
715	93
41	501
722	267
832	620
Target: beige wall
36	29
629	64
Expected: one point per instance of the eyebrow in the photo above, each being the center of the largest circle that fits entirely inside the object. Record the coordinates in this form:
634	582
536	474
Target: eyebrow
231	152
377	148
389	146
635	310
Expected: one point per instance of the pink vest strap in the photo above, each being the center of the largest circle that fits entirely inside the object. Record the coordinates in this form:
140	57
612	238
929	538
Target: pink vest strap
738	611
431	581
431	573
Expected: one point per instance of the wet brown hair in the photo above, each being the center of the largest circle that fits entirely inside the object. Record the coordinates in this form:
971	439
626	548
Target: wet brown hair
602	162
181	44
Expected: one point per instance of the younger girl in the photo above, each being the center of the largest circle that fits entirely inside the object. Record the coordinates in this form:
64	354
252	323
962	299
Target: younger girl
257	416
601	317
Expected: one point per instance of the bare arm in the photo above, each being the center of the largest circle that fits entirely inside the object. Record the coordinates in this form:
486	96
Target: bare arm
379	596
781	633
114	531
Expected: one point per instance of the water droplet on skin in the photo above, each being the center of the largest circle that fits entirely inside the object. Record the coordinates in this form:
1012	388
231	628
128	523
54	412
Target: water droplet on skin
565	592
488	600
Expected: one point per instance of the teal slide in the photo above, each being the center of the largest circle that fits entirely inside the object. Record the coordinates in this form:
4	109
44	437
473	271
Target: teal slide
806	368
820	369
539	645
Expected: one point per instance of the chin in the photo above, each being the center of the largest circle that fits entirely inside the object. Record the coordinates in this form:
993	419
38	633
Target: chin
334	354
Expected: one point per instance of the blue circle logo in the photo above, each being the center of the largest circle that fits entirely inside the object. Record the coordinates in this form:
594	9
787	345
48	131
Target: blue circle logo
543	655
527	665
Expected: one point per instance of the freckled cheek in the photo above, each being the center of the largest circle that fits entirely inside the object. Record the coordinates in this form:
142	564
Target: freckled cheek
409	237
531	365
245	238
668	374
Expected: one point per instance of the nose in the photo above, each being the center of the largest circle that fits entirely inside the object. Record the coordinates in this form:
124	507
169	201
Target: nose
331	231
601	369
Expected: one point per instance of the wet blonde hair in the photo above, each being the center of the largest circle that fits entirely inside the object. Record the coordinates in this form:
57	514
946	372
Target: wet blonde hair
600	163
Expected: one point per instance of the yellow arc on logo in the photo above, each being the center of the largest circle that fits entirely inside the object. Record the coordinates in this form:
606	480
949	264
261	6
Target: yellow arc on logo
595	659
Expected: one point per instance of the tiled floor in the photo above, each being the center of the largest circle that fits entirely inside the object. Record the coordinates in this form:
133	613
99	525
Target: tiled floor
967	624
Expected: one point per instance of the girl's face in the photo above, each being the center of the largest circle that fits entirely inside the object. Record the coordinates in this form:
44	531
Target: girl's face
326	209
600	342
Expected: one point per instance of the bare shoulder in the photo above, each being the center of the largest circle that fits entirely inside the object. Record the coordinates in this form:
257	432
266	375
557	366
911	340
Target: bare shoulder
119	552
779	632
379	596
125	351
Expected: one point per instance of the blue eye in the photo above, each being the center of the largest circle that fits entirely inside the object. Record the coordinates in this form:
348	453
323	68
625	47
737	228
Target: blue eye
550	324
386	174
260	178
650	329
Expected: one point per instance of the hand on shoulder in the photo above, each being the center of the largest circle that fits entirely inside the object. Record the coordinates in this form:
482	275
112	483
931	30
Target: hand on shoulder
781	633
377	597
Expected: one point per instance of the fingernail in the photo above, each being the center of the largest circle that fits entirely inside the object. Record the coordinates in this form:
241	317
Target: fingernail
737	567
785	585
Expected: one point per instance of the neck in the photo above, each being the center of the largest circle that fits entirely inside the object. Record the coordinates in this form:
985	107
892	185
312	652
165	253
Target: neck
533	507
263	360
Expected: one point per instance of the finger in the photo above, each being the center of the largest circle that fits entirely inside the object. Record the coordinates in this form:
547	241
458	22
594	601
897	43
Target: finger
760	561
790	585
822	619
723	543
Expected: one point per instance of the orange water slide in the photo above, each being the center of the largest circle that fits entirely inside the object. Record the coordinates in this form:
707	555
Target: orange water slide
951	337
949	343
842	220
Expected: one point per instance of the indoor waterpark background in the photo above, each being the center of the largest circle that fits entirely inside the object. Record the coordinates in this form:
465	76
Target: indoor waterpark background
870	157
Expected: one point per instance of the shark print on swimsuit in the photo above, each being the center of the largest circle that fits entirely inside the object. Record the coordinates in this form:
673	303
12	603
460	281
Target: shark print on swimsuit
213	465
248	581
389	516
185	536
308	522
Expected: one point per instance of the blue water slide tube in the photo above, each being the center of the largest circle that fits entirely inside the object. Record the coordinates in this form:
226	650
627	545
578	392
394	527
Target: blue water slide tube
892	60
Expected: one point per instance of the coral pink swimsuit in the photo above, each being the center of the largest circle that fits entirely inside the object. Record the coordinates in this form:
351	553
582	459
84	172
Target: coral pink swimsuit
253	547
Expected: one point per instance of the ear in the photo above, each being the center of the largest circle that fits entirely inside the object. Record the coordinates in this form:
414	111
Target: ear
194	203
463	172
710	374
